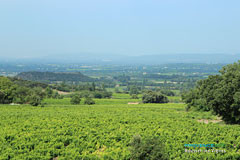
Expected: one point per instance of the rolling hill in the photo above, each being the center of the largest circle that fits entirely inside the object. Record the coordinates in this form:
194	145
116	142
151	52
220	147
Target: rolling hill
54	76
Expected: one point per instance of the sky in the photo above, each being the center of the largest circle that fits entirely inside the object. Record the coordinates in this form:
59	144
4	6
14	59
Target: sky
30	29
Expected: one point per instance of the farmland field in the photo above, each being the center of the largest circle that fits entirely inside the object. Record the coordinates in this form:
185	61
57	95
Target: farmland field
104	131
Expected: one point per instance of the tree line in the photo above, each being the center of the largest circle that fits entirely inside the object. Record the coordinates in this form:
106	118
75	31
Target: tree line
218	93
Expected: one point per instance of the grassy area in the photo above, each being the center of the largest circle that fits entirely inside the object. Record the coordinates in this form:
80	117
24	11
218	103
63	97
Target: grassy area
66	101
104	131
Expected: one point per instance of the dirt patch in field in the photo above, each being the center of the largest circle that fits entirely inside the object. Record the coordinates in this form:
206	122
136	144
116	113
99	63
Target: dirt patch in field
206	121
63	93
133	102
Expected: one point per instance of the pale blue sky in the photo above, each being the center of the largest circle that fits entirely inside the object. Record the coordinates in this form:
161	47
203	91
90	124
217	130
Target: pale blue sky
34	28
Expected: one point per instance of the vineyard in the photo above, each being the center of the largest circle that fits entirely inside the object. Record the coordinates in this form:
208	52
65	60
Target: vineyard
104	131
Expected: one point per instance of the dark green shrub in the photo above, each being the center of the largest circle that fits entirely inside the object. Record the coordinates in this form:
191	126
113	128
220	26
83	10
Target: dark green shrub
75	99
134	90
134	96
98	95
147	149
89	101
34	100
167	92
154	97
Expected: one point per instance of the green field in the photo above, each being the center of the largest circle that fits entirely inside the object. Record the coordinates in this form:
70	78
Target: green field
104	131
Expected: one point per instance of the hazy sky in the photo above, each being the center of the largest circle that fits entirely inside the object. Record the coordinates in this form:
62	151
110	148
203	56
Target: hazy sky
33	28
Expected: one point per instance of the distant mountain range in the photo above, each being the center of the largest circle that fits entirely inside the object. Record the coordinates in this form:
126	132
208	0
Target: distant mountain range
128	59
54	76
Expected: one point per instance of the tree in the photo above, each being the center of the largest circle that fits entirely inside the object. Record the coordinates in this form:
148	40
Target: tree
154	97
93	87
150	148
2	96
20	95
134	96
75	99
8	89
89	101
133	90
34	100
49	92
98	94
167	92
219	93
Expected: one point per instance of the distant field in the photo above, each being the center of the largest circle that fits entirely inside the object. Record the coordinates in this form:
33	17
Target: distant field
104	131
66	101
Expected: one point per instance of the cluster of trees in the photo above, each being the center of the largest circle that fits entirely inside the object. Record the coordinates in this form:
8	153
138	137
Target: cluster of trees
95	94
154	97
76	99
12	92
122	78
66	87
219	94
88	95
55	76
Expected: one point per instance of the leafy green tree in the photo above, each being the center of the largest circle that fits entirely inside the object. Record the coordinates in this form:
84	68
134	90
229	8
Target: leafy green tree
20	95
2	96
34	100
39	92
76	99
103	87
154	97
98	95
167	92
49	92
151	148
8	89
93	87
55	95
134	96
133	90
89	101
219	93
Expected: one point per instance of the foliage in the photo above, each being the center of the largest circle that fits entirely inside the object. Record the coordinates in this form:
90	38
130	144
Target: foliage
133	90
34	100
106	131
167	92
154	97
219	93
11	92
134	96
76	99
89	101
54	76
150	148
7	89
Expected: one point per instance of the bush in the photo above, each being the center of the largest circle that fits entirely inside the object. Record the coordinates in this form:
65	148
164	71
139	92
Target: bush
60	97
34	100
134	96
75	99
154	97
168	92
98	95
89	101
150	148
